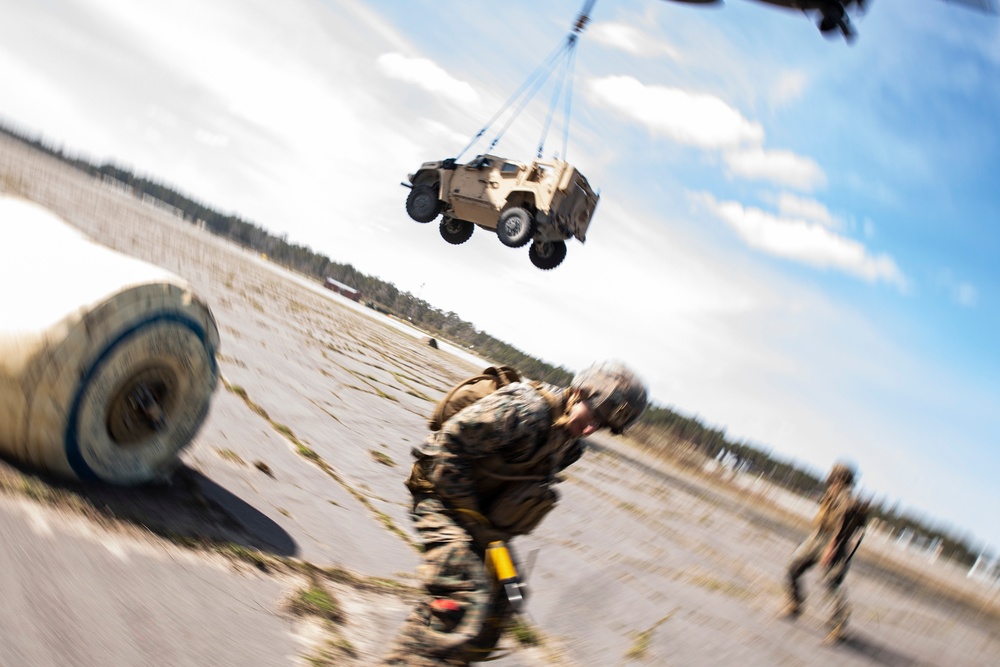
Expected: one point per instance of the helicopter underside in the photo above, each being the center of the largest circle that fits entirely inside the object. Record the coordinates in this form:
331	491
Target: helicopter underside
832	13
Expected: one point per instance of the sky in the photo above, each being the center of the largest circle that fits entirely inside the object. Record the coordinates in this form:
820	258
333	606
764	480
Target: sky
796	240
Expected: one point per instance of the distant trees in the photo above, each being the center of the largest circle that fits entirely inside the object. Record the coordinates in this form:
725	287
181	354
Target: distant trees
659	429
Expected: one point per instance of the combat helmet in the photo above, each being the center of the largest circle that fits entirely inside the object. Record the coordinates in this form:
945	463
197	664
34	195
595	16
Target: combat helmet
614	393
842	472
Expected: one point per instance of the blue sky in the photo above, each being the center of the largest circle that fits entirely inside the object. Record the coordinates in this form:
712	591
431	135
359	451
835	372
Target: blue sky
796	239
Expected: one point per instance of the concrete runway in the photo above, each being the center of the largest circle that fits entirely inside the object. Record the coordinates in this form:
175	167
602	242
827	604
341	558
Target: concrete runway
302	461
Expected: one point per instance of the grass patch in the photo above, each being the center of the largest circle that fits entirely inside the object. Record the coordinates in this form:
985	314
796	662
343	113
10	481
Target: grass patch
316	600
242	393
382	394
38	491
244	554
332	653
230	455
382	458
307	452
524	633
392	527
264	468
640	647
230	360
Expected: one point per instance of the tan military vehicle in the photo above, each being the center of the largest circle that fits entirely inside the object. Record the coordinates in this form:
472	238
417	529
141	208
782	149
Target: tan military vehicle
544	202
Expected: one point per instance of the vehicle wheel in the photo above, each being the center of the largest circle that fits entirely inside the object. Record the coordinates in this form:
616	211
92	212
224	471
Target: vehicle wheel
547	254
516	227
422	203
456	231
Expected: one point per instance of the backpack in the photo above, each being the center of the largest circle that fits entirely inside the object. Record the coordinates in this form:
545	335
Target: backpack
852	528
470	390
525	502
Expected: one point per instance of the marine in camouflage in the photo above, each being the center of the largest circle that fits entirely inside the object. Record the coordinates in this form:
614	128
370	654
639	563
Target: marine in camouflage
486	475
466	630
614	392
830	545
501	430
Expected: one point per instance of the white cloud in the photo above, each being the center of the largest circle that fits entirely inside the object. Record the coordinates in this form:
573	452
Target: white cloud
805	242
428	75
961	292
437	130
788	87
209	138
626	38
693	119
792	206
776	166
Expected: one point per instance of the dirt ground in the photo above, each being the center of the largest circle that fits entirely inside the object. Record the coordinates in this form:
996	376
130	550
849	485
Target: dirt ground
295	481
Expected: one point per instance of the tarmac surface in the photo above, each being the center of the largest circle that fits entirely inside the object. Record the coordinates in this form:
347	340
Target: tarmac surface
296	477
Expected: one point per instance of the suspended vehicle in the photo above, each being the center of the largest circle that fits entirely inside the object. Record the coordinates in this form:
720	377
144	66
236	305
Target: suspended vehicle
544	202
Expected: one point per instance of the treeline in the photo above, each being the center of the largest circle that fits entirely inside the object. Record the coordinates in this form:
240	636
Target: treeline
660	428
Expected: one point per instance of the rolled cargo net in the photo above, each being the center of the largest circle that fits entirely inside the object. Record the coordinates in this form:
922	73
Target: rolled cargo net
107	363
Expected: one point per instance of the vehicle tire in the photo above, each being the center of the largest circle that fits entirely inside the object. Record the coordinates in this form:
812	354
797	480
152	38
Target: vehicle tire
422	203
455	231
515	227
547	254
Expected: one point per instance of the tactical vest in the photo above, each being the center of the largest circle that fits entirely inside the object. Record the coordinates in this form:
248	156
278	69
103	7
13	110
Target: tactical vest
514	495
469	391
832	509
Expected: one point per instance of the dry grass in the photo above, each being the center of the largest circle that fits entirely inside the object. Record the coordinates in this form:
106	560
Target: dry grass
316	600
231	456
382	458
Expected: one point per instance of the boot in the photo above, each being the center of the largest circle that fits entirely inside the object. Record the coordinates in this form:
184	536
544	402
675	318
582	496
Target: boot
837	634
792	610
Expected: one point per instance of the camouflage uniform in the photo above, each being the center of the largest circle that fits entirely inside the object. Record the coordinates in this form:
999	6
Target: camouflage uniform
464	468
837	501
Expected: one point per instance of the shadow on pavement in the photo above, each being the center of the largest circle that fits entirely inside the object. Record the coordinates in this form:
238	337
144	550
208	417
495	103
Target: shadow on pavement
267	535
876	654
188	509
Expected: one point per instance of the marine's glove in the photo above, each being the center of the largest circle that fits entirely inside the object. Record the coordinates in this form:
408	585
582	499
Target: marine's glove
479	528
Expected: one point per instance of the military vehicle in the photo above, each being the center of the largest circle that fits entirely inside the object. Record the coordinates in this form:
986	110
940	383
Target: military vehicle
544	202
